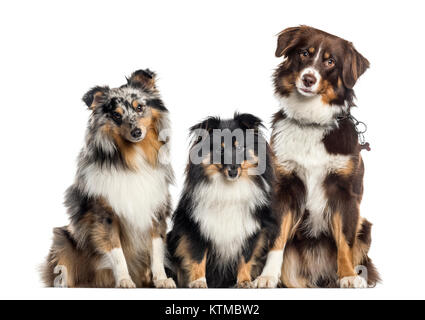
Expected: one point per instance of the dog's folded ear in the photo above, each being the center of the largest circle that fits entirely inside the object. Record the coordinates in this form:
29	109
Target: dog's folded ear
143	79
354	66
248	121
287	40
96	96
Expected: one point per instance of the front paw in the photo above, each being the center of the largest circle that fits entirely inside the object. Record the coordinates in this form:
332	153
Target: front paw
126	283
165	284
198	284
266	282
245	285
357	282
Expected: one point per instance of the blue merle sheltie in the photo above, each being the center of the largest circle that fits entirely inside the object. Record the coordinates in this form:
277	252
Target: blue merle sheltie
223	223
323	241
119	202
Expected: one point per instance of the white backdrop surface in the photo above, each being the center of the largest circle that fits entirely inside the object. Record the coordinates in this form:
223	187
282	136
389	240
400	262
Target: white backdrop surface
212	58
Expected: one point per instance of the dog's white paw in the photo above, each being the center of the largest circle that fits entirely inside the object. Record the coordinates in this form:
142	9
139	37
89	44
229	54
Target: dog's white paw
266	282
165	284
245	285
199	284
126	283
357	282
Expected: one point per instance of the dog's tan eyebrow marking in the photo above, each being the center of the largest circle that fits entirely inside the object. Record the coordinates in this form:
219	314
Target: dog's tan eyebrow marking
119	110
311	50
135	104
327	55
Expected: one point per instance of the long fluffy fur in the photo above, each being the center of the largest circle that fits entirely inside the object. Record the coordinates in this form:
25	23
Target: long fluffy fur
119	202
228	224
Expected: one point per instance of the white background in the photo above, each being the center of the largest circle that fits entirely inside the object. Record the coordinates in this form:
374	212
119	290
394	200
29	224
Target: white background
211	58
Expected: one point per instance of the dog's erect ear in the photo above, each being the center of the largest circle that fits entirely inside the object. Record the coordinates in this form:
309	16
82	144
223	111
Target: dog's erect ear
208	124
144	79
354	66
96	96
287	40
248	121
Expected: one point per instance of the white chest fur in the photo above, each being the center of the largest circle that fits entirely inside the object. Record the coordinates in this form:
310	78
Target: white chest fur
309	110
301	149
224	213
134	196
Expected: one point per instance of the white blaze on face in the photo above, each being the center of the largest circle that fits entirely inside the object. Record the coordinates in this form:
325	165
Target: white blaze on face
312	71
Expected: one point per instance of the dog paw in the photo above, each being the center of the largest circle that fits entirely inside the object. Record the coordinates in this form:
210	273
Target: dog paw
198	284
126	283
165	284
353	282
245	285
266	282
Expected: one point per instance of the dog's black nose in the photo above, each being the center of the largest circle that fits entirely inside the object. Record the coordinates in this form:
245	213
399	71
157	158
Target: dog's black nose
309	80
136	133
232	172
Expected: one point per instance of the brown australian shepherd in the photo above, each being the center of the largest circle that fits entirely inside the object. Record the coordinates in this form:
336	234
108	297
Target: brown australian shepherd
323	240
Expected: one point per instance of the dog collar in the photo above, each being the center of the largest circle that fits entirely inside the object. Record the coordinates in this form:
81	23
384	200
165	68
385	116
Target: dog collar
361	129
360	126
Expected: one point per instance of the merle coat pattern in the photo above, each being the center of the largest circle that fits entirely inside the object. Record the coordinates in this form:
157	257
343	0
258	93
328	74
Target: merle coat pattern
119	202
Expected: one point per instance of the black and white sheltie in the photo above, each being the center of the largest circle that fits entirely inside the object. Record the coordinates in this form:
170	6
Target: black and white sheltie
224	223
119	202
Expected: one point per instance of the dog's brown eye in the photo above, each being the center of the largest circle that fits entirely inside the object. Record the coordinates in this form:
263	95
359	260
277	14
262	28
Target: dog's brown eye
330	62
116	115
304	53
139	108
